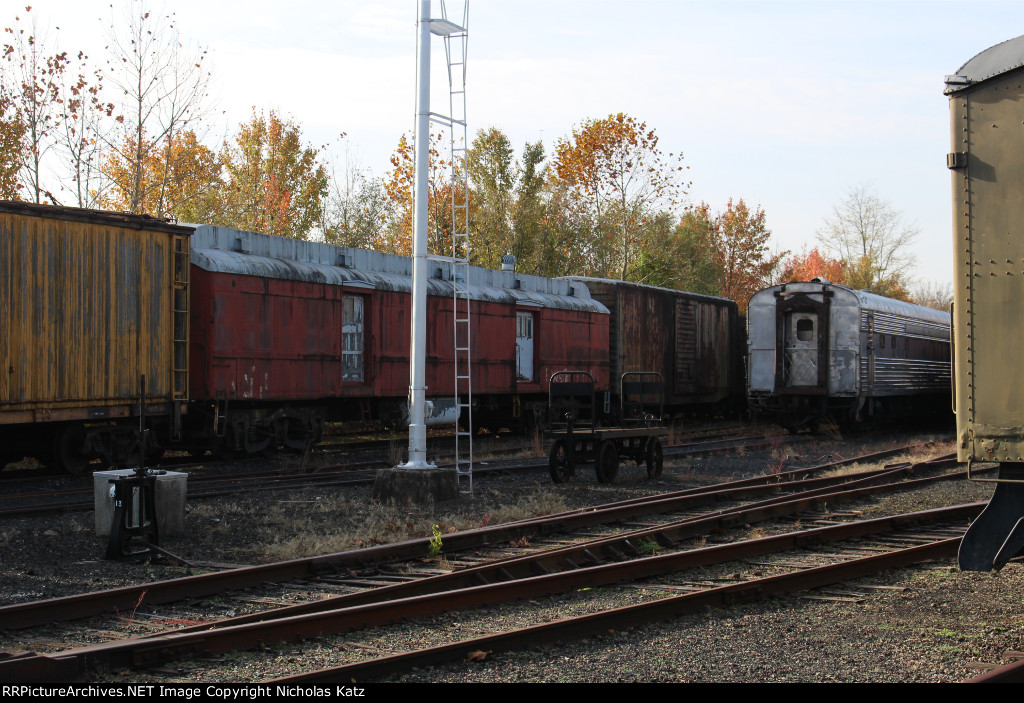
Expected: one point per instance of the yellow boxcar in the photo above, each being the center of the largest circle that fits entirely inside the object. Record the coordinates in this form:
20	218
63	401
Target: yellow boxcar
987	164
90	302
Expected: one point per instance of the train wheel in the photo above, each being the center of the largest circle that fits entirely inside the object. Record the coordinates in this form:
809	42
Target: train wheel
558	462
67	449
655	458
607	465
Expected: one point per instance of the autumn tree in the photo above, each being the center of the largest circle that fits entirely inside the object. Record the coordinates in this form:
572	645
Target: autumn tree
615	170
180	179
747	263
398	186
82	135
163	85
808	265
33	85
869	237
273	183
11	147
726	253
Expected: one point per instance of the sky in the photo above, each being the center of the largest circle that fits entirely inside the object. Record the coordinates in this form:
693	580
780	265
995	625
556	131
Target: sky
787	105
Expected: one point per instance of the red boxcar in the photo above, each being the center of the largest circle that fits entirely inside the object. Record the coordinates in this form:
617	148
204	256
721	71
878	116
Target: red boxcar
286	334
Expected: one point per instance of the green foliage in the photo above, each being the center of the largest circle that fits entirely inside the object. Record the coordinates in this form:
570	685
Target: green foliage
435	541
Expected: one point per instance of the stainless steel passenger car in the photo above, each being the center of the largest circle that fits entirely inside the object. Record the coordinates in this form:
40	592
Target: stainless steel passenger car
818	350
987	165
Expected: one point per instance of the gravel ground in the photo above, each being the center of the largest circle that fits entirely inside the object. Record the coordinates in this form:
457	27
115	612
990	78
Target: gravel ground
940	625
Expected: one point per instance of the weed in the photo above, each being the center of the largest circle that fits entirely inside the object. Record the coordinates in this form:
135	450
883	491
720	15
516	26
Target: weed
945	632
127	620
435	542
538	443
647	546
775	468
396	452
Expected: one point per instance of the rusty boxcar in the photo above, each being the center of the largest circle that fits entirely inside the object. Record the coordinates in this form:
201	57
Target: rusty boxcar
286	334
987	168
694	341
819	350
89	303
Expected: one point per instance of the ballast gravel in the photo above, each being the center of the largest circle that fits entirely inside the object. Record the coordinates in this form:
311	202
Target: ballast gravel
930	623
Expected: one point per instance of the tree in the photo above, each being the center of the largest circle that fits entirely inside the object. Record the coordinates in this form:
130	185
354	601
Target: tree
180	179
356	210
808	265
274	183
398	187
747	265
82	135
35	98
507	201
724	254
932	294
11	148
618	177
869	237
494	173
164	87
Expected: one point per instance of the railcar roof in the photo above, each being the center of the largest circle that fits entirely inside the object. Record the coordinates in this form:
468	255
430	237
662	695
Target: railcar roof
617	282
991	62
866	300
226	250
99	217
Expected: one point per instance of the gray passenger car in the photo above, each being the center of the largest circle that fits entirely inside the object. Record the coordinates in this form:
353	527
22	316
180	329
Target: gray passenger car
818	349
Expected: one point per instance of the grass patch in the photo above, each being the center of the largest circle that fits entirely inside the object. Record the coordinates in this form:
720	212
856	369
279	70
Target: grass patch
329	524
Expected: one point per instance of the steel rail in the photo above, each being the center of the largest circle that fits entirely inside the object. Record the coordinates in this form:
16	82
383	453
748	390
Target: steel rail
594	552
155	649
35	613
657	611
1008	673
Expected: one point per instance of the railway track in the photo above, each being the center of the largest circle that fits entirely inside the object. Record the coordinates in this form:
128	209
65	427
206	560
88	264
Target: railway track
375	584
26	502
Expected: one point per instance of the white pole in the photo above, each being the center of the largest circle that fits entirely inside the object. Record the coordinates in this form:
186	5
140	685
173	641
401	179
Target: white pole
418	345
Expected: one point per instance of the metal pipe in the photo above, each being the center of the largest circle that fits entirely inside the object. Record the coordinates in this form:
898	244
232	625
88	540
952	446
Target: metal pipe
418	342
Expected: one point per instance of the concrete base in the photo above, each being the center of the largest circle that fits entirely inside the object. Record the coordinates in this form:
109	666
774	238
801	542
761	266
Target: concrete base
415	486
171	489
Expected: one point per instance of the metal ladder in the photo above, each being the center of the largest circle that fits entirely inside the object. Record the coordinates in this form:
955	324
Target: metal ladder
180	330
456	37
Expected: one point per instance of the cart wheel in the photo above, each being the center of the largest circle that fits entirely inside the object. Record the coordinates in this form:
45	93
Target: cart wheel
558	462
67	449
607	464
655	458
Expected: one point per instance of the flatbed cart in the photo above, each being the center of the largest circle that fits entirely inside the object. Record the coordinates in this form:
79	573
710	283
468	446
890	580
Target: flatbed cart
579	436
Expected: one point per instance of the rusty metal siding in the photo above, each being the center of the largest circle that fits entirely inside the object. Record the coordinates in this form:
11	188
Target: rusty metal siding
689	338
86	307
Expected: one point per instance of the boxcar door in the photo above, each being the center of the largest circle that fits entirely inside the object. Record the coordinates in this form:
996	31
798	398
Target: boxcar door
524	346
